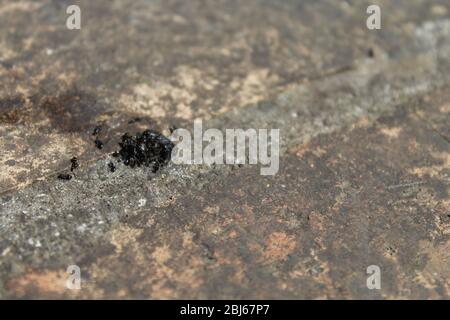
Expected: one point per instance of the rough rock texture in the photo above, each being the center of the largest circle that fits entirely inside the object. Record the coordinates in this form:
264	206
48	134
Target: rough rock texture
364	171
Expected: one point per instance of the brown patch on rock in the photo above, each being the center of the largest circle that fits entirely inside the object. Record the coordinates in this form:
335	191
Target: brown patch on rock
391	132
279	245
50	283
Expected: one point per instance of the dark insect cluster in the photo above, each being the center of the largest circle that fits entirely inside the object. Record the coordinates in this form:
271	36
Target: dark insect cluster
64	176
111	167
74	164
96	132
98	143
148	148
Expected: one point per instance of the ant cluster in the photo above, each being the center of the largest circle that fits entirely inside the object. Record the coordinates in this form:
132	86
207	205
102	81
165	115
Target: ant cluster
149	148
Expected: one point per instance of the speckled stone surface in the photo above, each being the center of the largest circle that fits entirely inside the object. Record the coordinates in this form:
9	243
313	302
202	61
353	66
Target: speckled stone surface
364	167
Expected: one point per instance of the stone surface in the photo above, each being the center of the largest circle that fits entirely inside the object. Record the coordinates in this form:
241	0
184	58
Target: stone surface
364	170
